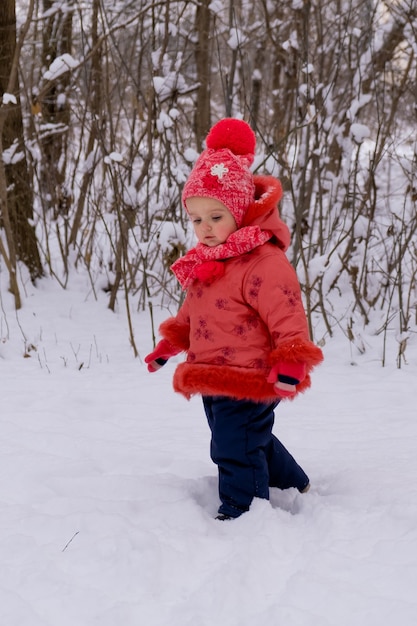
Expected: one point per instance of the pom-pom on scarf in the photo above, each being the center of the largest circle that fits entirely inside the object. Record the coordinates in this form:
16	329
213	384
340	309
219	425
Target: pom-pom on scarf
204	262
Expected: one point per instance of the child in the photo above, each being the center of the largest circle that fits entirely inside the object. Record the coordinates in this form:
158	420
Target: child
242	323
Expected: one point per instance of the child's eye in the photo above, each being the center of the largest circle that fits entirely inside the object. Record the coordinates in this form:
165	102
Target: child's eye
217	218
196	221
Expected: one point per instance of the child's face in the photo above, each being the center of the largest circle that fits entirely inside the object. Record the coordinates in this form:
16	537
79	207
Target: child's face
211	219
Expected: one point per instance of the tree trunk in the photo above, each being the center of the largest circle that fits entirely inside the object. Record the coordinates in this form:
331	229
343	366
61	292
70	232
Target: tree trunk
19	196
202	58
57	40
96	116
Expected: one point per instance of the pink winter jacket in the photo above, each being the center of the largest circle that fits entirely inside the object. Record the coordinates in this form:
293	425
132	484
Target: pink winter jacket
236	328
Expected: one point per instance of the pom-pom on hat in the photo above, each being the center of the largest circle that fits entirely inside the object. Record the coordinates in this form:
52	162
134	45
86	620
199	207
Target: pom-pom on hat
222	170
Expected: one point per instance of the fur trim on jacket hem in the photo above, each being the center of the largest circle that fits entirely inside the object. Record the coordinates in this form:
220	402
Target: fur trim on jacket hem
238	383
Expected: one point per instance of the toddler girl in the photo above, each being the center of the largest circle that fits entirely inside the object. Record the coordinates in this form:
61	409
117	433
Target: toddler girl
242	324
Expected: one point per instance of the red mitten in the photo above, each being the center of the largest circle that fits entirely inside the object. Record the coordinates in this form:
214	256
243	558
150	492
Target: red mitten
157	359
285	377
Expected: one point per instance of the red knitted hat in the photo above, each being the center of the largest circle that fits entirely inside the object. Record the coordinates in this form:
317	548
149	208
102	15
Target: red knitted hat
222	170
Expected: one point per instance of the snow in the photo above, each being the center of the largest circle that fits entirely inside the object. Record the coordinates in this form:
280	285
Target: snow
115	157
9	98
12	154
359	132
165	85
59	66
108	494
236	38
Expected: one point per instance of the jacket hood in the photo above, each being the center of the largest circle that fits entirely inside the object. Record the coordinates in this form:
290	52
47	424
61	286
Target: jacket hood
264	211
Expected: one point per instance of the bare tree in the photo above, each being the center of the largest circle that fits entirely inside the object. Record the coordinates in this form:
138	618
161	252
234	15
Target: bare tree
203	18
53	104
17	201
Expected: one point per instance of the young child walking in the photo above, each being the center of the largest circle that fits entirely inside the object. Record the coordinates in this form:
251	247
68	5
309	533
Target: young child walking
242	324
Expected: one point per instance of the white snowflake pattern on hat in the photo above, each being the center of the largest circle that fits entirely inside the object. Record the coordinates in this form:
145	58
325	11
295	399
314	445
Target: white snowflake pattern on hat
219	170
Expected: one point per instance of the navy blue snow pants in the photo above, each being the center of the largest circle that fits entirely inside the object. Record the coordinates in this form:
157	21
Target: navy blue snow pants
249	457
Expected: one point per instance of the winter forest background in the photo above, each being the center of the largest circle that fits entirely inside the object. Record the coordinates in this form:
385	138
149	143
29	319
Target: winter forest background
104	106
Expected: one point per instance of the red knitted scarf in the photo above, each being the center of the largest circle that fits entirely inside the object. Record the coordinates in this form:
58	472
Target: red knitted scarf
202	262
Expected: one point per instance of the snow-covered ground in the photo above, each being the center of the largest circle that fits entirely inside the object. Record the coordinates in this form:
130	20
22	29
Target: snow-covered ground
107	491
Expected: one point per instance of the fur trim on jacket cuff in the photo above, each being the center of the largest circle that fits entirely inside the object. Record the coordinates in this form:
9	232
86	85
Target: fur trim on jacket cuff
177	334
298	352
